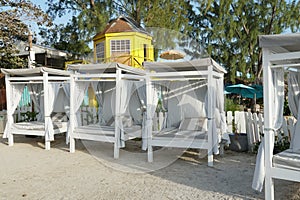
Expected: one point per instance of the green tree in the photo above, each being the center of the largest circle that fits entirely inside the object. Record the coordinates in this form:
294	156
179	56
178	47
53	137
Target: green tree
93	15
230	30
13	27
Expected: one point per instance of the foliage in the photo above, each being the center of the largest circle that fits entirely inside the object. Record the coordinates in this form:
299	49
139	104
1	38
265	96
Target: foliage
281	143
286	108
29	116
230	105
13	27
230	30
91	16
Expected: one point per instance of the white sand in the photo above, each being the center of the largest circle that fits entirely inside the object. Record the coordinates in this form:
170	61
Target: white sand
30	172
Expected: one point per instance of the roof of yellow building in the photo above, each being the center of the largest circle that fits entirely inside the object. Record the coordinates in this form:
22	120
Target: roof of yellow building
122	24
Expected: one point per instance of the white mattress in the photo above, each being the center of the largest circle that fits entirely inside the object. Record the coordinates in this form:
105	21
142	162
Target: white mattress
106	130
35	125
287	159
175	132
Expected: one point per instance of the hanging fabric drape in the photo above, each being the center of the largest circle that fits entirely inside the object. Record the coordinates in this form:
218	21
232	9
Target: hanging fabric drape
277	96
53	89
98	89
294	102
152	108
125	94
219	111
79	93
16	93
164	97
66	88
141	91
35	91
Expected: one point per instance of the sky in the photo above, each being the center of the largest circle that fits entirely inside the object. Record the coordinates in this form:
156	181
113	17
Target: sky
43	5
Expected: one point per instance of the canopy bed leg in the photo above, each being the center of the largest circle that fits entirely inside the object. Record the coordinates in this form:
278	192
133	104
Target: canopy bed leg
47	145
150	153
116	150
72	145
269	187
210	158
10	140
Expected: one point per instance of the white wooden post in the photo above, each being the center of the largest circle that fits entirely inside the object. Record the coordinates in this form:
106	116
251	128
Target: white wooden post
268	134
161	120
261	126
46	105
117	114
149	119
229	122
72	114
210	115
8	103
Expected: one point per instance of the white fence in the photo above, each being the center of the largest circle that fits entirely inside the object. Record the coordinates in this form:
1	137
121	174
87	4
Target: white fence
253	125
238	122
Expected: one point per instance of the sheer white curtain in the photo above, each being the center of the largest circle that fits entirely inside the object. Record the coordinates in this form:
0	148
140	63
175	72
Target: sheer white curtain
151	107
35	91
221	123
294	102
125	94
79	92
16	93
164	97
53	89
277	101
66	88
141	91
98	89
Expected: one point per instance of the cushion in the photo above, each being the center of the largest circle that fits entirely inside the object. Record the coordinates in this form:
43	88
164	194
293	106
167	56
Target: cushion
59	117
194	124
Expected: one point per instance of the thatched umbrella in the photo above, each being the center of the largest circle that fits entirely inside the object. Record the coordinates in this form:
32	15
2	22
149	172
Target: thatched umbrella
172	55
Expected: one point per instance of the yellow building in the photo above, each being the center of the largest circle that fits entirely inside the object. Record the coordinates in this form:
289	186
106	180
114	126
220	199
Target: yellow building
123	41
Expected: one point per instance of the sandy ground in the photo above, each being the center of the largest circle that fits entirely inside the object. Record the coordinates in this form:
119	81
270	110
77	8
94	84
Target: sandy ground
30	172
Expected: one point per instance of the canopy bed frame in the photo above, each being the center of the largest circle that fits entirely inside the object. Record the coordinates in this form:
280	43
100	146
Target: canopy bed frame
45	85
194	100
281	55
120	116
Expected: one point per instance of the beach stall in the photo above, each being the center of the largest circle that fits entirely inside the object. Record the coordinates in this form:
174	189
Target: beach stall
281	56
120	103
49	93
191	94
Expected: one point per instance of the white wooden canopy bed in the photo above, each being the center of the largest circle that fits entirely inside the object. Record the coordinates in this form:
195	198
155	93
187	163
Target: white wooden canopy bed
192	94
49	91
281	54
120	112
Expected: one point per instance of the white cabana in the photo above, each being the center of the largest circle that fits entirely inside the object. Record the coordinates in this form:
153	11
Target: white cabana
281	53
192	94
120	111
47	88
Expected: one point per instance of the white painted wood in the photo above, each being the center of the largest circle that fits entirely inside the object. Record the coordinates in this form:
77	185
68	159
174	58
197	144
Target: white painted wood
117	116
72	114
149	120
46	105
261	127
210	115
229	122
268	134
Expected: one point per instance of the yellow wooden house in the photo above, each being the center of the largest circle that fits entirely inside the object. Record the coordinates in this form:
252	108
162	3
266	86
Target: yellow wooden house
123	41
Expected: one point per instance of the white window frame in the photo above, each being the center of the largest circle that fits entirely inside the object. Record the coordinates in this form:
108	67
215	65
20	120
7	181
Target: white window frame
120	46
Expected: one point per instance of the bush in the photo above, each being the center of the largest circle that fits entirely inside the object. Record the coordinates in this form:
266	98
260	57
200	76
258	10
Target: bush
230	105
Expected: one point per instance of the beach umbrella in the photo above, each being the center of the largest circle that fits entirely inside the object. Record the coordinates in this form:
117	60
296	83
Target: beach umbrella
172	55
241	89
259	91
